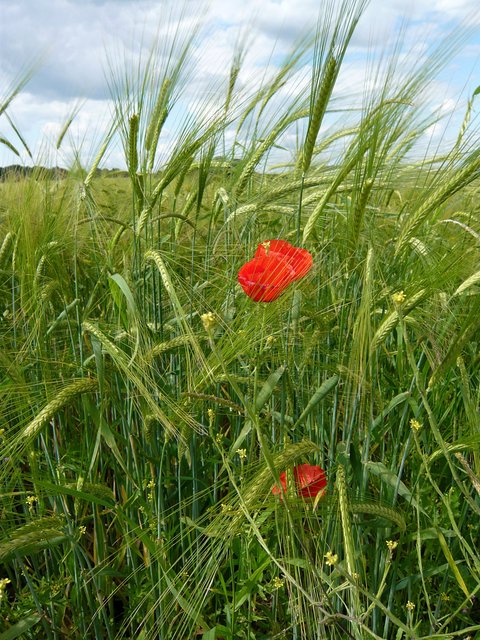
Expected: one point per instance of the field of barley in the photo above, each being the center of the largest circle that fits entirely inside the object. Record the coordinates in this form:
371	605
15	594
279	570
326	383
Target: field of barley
208	433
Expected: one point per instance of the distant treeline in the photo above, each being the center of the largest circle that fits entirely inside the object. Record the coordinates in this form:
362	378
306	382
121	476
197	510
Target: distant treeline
16	171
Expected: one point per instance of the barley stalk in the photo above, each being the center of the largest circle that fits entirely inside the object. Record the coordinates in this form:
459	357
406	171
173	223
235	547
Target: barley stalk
345	519
344	171
359	212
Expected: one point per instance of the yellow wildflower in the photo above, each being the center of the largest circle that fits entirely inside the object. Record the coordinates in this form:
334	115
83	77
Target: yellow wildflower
208	320
399	297
415	424
3	584
266	246
277	583
331	559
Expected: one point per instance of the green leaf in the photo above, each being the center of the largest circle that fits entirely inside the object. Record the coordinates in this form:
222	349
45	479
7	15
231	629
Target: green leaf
20	627
390	478
125	303
317	397
103	495
265	393
453	565
394	402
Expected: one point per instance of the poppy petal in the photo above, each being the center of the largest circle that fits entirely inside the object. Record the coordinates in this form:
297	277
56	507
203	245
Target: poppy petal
309	479
299	259
265	277
283	481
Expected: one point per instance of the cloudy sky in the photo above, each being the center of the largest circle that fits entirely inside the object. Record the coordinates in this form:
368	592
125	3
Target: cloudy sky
76	46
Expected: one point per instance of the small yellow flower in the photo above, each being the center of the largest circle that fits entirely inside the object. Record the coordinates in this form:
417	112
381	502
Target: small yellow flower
219	438
392	545
242	453
415	424
399	297
3	584
331	559
31	501
226	508
208	320
270	340
410	606
277	583
445	597
266	246
82	530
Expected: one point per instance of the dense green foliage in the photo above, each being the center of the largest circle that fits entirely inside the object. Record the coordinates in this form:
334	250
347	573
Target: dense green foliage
147	405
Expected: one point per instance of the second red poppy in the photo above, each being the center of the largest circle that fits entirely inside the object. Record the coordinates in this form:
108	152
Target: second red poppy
310	480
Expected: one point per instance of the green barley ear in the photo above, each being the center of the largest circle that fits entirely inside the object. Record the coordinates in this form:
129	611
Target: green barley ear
32	537
382	511
5	248
448	187
318	111
237	62
466	119
157	120
264	147
98	158
132	144
84	385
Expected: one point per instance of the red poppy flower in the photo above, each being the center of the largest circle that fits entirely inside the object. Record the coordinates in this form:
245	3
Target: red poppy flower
276	264
309	479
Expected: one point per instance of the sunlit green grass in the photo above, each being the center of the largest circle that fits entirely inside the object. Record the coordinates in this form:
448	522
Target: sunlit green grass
140	443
